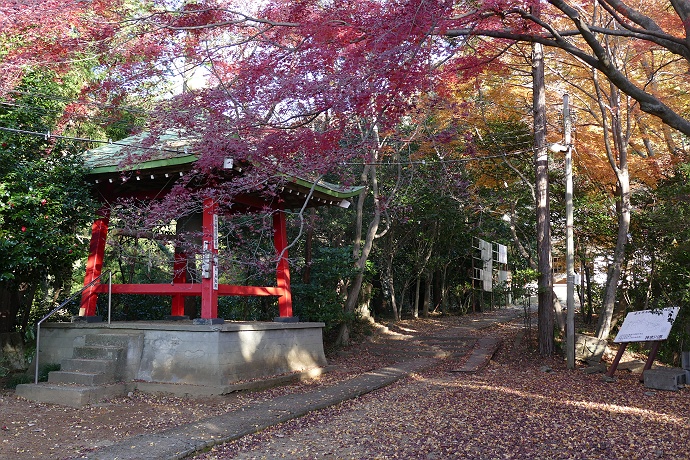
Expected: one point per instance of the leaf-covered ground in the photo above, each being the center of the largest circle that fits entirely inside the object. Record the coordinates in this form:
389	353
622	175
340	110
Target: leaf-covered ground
516	408
520	406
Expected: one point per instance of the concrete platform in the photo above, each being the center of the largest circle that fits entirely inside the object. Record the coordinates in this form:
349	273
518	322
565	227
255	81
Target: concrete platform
180	352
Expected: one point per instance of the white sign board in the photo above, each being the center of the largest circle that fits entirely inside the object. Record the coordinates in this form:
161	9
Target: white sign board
502	254
485	248
647	325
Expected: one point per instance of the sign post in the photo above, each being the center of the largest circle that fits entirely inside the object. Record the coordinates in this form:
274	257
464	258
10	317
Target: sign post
644	326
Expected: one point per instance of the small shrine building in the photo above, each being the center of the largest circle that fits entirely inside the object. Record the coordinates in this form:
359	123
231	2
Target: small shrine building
126	170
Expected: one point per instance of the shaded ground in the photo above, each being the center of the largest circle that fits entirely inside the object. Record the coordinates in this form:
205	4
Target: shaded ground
511	409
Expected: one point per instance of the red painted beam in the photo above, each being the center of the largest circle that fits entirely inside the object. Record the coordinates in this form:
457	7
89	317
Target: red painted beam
209	276
189	289
230	289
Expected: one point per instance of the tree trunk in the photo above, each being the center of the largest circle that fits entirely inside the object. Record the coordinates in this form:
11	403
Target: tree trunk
558	312
441	290
362	249
545	282
391	297
427	295
620	168
404	297
415	311
614	272
306	274
9	303
15	299
388	283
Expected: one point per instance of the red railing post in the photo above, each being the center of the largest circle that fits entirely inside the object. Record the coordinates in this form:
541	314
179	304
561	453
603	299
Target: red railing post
179	277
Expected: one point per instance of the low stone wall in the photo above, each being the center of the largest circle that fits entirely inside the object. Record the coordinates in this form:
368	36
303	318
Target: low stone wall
183	353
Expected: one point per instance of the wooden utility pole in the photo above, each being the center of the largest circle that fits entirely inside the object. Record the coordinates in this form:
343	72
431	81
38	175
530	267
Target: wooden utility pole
569	245
545	282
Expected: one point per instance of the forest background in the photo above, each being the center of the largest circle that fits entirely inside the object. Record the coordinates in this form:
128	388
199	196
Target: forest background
441	111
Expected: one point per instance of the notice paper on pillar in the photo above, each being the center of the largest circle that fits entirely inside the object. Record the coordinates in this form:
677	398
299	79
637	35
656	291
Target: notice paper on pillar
647	325
215	231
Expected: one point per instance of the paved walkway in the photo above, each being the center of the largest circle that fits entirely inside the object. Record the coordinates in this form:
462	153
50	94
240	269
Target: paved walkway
183	441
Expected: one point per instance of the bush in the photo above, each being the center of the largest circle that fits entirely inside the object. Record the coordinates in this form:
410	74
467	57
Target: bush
15	379
322	298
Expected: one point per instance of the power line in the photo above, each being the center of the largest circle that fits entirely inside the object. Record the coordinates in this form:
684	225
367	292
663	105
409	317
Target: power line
69	100
515	134
439	161
39	111
48	135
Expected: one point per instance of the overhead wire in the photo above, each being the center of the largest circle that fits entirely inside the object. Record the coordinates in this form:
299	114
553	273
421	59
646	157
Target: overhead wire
39	111
439	161
69	100
515	134
47	135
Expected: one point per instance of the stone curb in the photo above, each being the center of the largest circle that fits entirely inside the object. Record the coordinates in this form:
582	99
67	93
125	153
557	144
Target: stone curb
183	441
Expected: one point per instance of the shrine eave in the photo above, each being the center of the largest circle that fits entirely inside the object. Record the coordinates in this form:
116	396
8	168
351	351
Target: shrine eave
145	165
125	168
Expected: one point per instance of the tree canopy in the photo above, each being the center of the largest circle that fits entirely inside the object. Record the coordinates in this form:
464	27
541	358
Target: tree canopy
316	88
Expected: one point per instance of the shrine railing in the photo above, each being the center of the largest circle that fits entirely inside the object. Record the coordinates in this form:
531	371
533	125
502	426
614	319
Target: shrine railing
62	305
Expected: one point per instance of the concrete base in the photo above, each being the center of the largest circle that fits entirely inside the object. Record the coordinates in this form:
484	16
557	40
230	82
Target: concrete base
176	318
286	319
664	378
208	321
179	352
184	390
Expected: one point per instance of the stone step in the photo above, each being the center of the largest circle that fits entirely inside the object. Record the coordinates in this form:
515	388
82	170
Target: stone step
96	366
98	352
480	356
69	395
80	378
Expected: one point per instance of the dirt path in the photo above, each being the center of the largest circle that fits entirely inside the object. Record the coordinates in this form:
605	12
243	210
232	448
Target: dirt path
511	409
519	407
31	430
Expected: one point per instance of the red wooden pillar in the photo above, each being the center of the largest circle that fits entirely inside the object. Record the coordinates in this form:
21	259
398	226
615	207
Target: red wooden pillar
209	269
283	272
94	264
179	277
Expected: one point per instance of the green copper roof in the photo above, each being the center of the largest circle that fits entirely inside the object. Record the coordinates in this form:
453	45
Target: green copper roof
169	150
